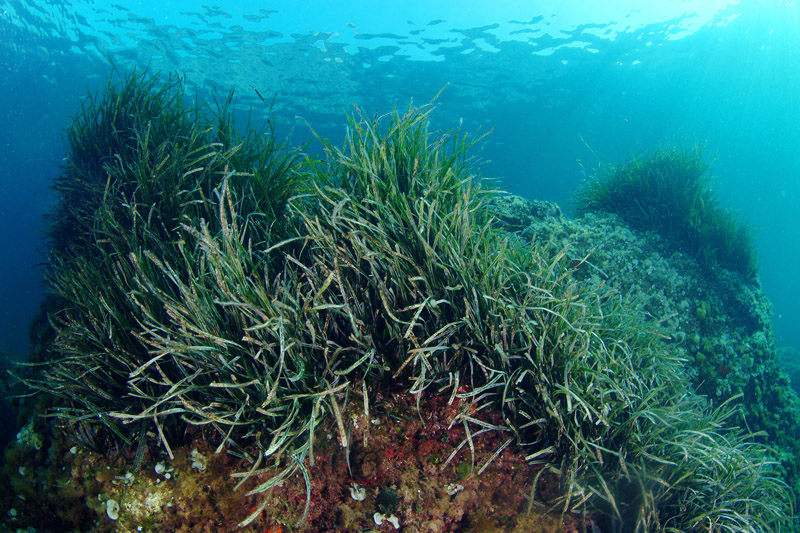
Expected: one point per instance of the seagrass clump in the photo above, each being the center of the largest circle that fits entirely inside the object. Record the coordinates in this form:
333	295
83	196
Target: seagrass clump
383	270
669	192
141	162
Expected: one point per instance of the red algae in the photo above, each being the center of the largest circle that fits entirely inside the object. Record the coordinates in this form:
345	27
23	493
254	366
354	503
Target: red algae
399	468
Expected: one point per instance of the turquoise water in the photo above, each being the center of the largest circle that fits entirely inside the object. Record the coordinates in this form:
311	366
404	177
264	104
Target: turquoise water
560	84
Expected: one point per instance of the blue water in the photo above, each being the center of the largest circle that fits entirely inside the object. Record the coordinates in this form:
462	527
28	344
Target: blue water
559	83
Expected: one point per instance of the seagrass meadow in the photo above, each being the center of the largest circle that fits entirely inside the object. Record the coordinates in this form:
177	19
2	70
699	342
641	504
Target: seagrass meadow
244	337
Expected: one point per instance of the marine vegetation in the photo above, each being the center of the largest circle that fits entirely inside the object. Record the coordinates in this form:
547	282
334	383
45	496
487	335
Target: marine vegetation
8	411
669	192
219	286
140	163
789	359
729	344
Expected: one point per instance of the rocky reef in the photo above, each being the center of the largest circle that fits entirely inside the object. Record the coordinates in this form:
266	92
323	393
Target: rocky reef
719	323
242	336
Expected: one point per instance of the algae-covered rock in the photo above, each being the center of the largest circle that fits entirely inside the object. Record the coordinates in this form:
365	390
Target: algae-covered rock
286	332
719	322
515	213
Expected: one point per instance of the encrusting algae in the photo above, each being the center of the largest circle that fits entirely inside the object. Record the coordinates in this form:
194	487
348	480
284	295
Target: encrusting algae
395	459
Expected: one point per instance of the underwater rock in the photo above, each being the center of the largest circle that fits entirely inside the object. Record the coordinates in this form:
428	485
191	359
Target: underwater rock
515	213
408	485
719	322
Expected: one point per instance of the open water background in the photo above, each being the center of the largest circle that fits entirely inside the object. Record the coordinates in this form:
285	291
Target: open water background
560	84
